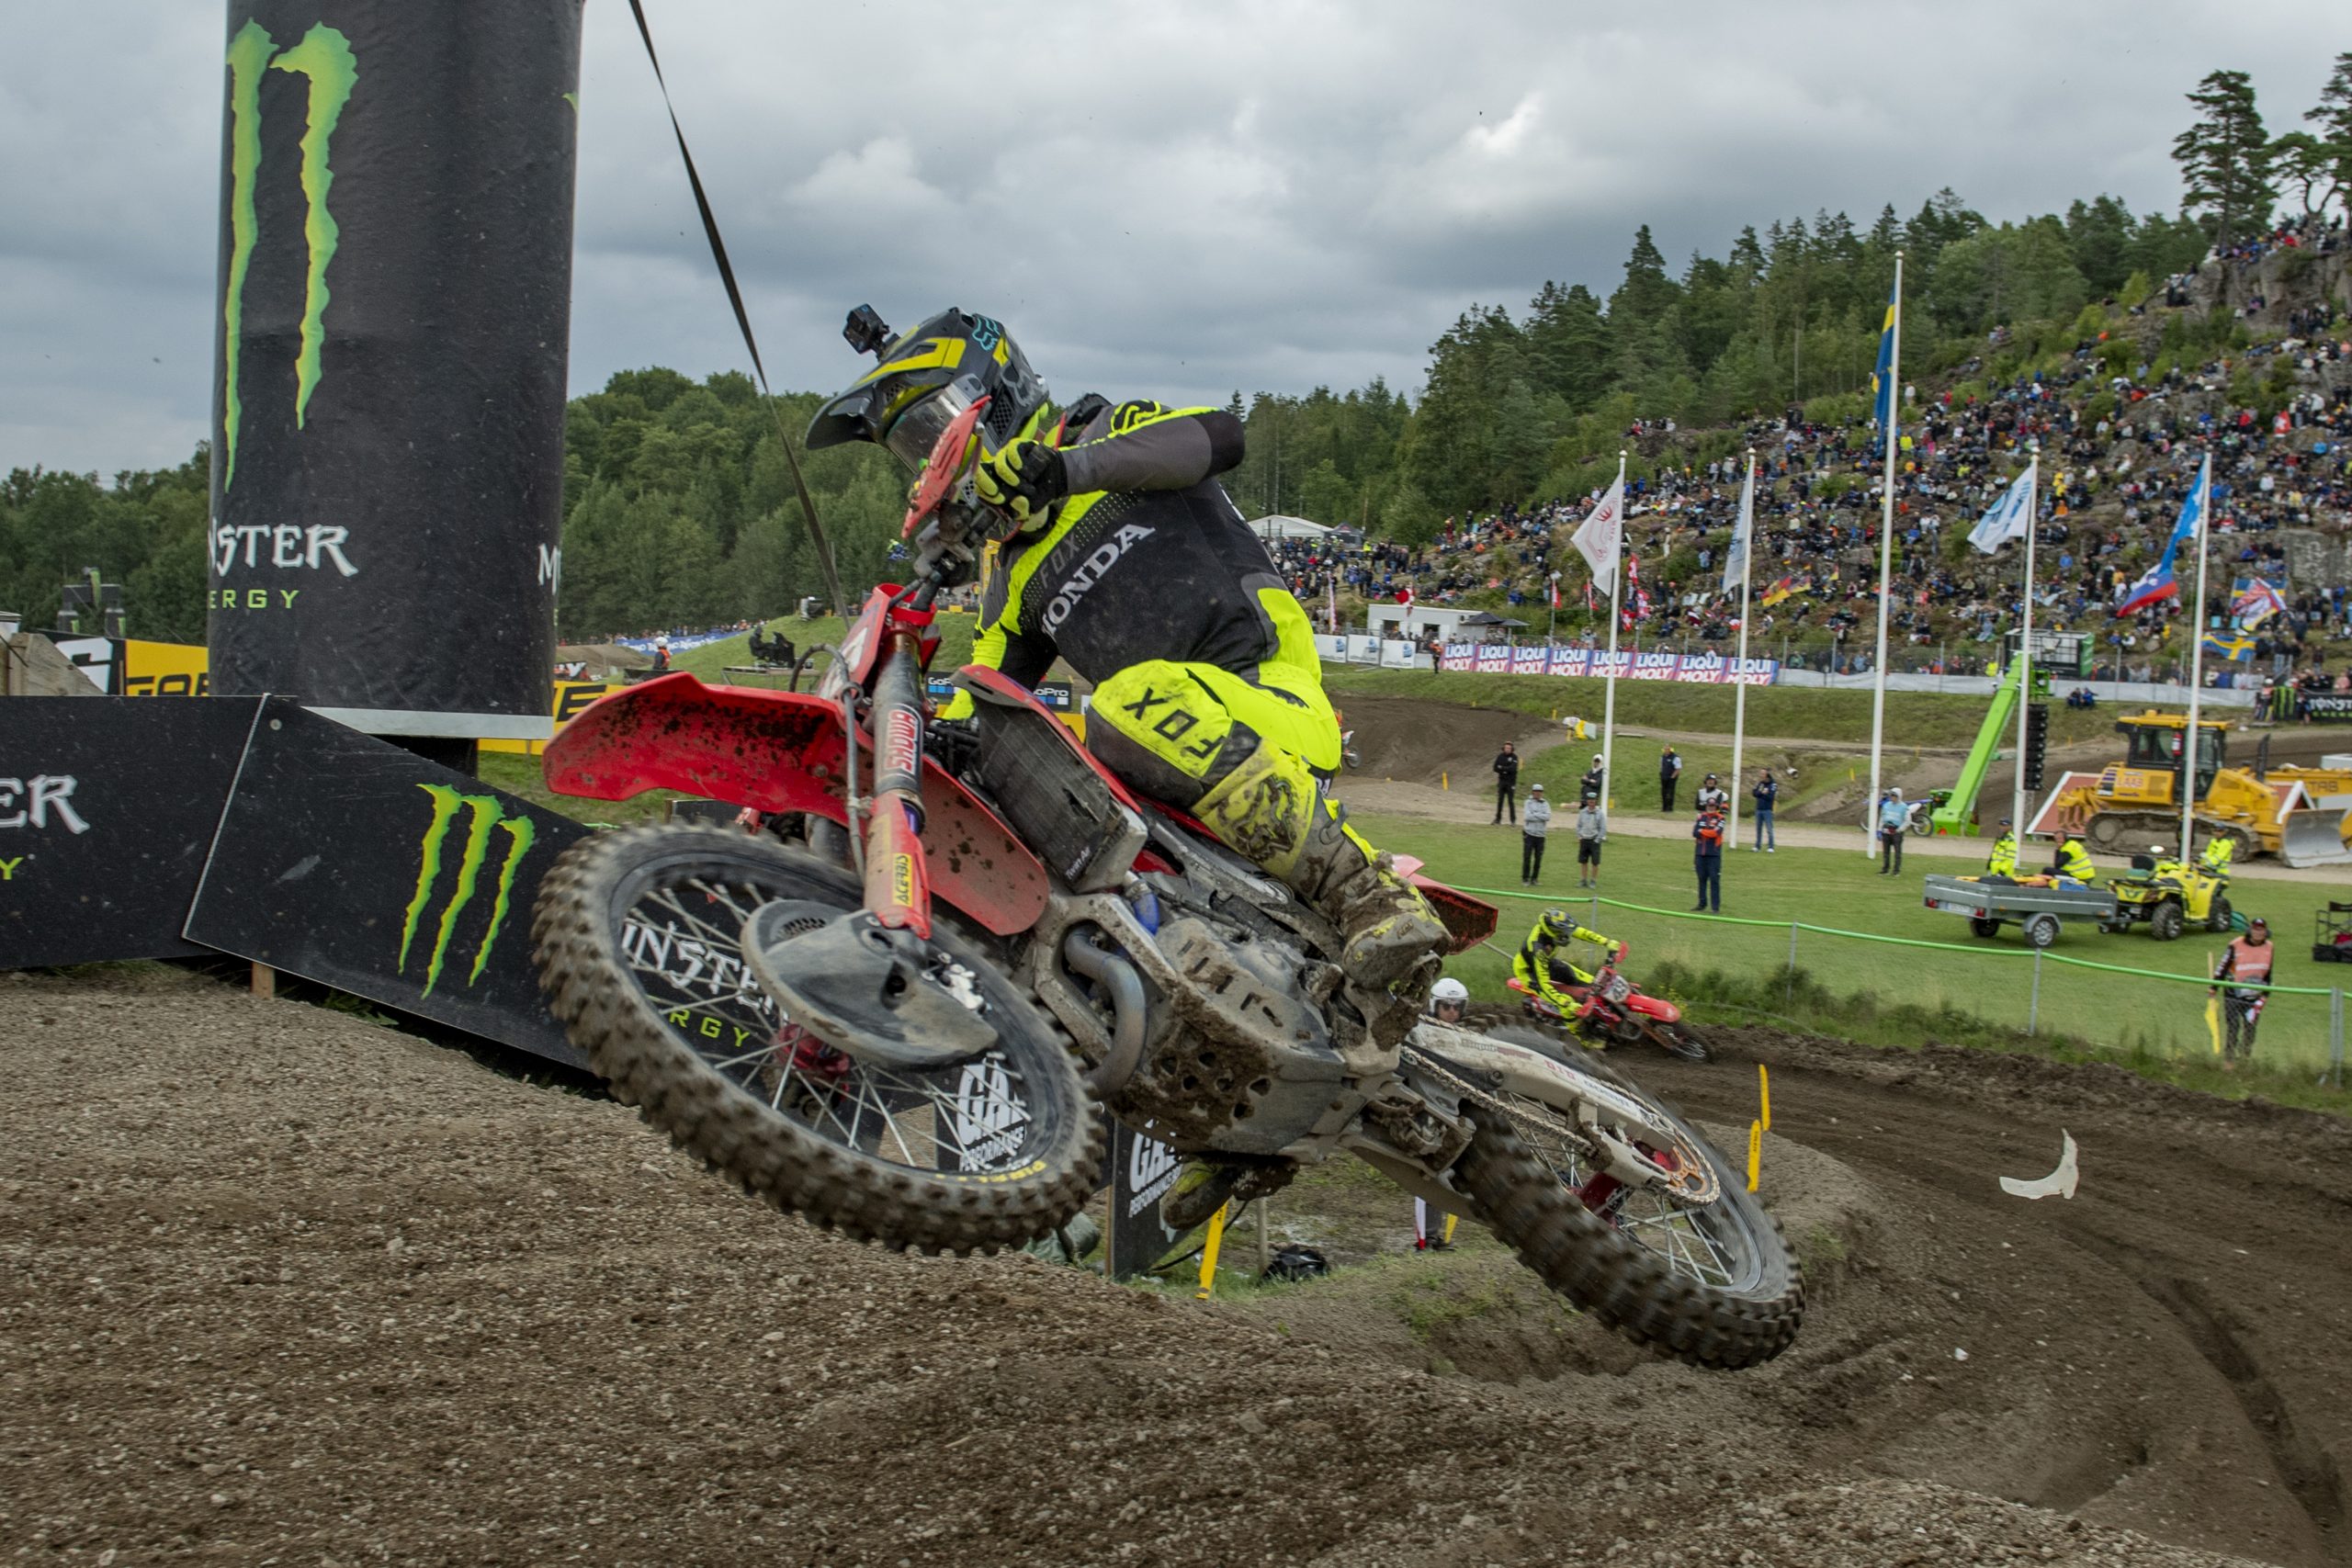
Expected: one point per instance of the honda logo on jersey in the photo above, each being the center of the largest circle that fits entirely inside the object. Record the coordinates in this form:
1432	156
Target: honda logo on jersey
1091	572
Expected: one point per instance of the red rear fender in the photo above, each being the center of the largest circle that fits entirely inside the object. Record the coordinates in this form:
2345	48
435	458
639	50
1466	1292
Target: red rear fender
1467	920
782	751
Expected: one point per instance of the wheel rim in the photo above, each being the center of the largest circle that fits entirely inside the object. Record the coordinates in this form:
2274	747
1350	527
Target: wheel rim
680	942
1706	1243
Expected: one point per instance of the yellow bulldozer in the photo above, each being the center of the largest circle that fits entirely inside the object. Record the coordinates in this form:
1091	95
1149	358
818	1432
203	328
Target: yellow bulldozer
2302	815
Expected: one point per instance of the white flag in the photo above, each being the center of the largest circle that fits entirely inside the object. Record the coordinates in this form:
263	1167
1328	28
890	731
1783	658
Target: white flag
2009	517
1601	536
1736	558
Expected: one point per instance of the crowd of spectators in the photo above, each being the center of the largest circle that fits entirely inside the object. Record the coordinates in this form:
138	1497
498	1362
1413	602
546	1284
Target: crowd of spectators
2120	442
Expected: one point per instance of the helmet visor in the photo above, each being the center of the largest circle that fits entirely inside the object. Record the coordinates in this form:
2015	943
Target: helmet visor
914	432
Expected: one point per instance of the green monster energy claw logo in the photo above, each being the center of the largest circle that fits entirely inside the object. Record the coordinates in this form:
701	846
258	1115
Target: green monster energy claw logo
325	56
485	815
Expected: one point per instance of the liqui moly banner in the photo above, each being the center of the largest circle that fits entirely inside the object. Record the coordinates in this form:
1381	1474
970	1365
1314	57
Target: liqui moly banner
1656	666
1697	669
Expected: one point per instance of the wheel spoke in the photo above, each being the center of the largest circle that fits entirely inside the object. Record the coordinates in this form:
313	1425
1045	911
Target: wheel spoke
684	947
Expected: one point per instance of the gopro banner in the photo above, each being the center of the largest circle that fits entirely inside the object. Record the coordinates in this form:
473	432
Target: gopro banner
349	861
108	809
391	337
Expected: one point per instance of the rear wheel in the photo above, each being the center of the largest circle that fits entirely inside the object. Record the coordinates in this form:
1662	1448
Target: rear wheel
638	941
1688	1263
2164	921
2219	918
2039	930
1984	926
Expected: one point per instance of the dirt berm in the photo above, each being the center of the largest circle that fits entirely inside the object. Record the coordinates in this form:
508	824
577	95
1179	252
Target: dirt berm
281	1286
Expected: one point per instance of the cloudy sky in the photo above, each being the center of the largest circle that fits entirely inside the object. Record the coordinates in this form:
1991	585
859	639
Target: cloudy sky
1177	198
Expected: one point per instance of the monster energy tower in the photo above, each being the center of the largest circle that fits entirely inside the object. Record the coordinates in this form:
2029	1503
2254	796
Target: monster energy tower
388	388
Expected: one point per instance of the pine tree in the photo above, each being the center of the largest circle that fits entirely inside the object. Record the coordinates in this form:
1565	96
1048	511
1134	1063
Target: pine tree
2333	116
2224	158
1647	292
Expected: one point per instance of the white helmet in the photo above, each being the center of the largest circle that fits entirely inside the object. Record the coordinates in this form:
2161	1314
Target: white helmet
1449	990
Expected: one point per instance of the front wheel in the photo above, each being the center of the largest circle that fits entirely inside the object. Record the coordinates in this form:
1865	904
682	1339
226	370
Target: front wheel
638	939
1678	1040
1688	1264
2164	923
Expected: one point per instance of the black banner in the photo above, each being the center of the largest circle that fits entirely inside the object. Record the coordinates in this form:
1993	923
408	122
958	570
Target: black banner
108	809
348	861
388	377
2327	707
1142	1170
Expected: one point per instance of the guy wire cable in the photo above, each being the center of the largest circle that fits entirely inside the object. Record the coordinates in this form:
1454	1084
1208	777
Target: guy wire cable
742	318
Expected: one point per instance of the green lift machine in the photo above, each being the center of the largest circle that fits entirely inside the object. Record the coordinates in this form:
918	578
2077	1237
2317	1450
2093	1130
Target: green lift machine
2053	653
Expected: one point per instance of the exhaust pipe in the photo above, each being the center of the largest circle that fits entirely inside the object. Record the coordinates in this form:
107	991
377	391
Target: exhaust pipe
1118	977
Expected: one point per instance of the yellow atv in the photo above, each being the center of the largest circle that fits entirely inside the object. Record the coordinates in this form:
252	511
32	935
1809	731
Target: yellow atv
2170	894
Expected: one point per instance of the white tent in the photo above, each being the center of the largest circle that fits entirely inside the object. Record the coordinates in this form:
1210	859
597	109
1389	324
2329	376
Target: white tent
1280	527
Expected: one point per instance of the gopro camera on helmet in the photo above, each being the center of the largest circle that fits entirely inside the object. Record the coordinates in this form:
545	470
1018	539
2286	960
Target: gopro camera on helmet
867	330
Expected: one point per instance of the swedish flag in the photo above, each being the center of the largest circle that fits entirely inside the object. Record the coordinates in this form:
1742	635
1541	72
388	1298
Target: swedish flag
1882	377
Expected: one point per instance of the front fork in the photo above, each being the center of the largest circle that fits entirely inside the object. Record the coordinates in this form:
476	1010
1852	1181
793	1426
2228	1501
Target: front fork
898	884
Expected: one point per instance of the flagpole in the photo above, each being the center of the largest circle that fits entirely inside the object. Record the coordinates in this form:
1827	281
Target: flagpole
2196	667
1745	542
2025	645
1552	624
1616	601
1885	553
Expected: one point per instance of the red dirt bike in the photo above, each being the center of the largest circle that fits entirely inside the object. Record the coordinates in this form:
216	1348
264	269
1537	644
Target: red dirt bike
903	1030
1617	1011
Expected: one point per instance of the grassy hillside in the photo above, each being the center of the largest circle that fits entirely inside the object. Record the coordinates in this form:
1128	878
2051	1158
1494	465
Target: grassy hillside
1807	713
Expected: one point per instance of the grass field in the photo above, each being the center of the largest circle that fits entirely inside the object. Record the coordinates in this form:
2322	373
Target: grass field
1972	982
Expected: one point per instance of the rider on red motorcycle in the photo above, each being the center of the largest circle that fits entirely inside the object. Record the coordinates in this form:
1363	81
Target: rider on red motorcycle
1118	551
1542	964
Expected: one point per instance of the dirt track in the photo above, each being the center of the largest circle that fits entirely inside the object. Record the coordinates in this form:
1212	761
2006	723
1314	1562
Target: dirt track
281	1285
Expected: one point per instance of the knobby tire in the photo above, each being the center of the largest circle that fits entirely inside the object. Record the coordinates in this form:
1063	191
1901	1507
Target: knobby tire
592	989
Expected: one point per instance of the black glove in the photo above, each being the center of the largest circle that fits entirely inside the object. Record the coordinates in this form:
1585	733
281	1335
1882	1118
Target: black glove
1022	479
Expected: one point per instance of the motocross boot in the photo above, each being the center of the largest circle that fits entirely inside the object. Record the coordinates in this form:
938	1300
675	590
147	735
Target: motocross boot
1274	810
1207	1184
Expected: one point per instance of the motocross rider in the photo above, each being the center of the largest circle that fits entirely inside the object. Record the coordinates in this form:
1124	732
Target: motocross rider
1115	549
1542	964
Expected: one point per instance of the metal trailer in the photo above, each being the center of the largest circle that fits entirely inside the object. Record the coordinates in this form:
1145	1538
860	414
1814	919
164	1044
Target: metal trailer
2038	912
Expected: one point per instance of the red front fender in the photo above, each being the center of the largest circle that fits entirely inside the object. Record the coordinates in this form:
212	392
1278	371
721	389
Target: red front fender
782	751
1664	1011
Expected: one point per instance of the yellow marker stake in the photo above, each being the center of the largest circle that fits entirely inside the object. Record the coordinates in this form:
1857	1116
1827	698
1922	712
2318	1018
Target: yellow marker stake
1451	1221
1755	1157
1763	1098
1209	1254
1443	783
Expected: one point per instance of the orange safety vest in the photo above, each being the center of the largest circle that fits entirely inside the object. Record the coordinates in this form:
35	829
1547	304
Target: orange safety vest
2250	964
